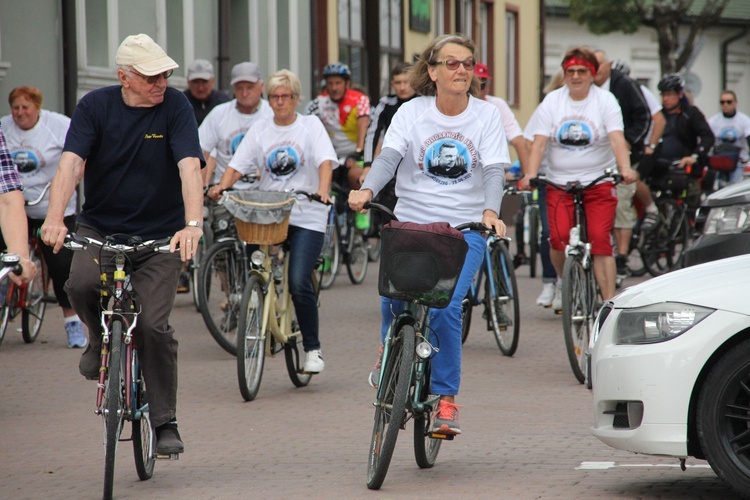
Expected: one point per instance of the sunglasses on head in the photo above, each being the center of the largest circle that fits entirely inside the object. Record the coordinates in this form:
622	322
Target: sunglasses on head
452	64
151	80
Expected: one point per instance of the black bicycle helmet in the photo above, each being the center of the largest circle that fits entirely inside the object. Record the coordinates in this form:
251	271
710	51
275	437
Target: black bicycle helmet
621	66
337	69
671	81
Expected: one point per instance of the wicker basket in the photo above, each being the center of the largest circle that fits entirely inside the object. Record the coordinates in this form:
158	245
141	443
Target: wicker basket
261	217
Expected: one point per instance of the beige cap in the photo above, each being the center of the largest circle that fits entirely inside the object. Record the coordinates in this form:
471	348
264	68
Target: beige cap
145	55
201	69
245	72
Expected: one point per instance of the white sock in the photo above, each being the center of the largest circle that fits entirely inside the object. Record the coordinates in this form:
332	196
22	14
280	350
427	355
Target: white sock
71	319
651	209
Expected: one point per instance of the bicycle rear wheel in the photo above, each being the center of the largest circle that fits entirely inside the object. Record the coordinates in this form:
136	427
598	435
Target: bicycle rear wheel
466	309
390	406
577	313
32	314
144	442
251	340
502	303
293	354
357	260
113	406
220	285
4	319
664	246
195	266
374	248
534	235
426	448
331	258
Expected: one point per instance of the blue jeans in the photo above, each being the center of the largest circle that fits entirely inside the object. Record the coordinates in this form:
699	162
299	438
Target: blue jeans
445	323
304	248
549	275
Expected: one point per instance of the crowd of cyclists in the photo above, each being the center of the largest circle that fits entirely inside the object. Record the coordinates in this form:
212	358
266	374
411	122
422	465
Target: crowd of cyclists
437	149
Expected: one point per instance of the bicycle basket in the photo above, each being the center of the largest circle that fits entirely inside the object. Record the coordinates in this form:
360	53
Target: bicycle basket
725	158
421	262
261	217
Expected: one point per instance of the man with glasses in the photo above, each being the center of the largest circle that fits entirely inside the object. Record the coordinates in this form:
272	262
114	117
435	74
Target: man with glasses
732	130
139	144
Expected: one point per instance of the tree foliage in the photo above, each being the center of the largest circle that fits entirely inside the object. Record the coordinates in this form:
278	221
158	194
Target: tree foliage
670	19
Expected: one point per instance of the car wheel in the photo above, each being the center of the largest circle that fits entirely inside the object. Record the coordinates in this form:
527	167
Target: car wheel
723	413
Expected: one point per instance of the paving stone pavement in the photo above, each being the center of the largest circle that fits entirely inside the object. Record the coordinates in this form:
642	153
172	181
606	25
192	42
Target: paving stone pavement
525	422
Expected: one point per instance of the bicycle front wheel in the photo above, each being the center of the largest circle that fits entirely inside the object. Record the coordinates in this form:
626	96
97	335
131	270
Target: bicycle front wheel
144	441
32	314
329	268
534	235
251	339
466	308
390	406
426	448
578	298
220	284
113	406
357	260
4	319
502	303
195	268
664	246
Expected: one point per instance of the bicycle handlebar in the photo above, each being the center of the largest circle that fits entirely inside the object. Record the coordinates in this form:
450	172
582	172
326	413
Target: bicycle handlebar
11	264
576	185
312	196
75	242
466	226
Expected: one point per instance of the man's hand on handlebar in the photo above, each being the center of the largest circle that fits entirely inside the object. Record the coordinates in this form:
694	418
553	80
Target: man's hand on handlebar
186	241
53	234
629	175
357	199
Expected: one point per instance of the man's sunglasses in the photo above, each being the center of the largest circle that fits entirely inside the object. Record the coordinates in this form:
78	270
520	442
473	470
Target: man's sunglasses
151	80
727	102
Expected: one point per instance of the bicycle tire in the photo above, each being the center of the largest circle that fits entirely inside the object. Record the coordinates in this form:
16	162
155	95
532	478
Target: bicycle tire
374	248
195	267
504	310
144	442
295	363
251	340
392	394
665	245
32	315
466	310
331	258
357	259
534	228
220	287
577	303
113	406
426	449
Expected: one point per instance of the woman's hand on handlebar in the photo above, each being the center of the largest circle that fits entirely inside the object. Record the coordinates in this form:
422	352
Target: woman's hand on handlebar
629	175
28	271
524	183
490	219
357	199
325	196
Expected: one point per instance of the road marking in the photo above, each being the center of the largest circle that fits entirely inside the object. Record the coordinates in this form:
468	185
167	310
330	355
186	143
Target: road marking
612	465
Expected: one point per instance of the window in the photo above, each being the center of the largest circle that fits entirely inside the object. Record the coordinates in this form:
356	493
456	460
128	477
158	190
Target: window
486	35
391	45
442	11
465	17
351	38
511	54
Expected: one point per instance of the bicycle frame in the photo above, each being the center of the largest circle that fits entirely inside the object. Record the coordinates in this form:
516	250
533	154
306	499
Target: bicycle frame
275	306
485	270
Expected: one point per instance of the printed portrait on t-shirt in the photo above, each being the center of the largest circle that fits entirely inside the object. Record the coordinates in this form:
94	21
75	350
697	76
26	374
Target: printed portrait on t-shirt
728	136
25	161
235	143
447	159
574	133
282	161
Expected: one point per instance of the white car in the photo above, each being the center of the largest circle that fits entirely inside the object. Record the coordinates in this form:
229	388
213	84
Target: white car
670	368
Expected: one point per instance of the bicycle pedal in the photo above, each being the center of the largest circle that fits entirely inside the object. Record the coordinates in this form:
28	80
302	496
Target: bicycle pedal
558	312
448	437
168	456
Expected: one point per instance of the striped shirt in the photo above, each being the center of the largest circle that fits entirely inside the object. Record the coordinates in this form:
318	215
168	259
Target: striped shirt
9	178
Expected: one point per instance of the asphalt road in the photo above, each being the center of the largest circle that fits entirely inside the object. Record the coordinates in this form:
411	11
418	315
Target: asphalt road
525	422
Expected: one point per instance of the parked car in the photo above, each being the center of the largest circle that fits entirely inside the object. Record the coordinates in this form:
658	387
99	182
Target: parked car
670	368
724	225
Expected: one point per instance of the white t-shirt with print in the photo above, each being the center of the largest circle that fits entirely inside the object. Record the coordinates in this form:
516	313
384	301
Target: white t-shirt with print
529	136
734	131
510	124
578	133
288	158
440	177
222	131
36	153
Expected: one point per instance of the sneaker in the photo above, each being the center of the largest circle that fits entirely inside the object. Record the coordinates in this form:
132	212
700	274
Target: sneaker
548	294
168	439
183	284
649	222
76	335
314	361
557	299
446	418
90	363
374	377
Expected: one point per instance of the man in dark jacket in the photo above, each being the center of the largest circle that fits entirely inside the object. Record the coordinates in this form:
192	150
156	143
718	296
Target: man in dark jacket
636	119
201	92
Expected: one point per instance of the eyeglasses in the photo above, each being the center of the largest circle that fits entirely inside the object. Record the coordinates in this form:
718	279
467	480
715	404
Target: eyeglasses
576	71
281	97
151	80
727	102
452	64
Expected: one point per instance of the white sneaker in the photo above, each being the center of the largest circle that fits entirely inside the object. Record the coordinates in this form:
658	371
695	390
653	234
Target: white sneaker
314	361
557	300
547	296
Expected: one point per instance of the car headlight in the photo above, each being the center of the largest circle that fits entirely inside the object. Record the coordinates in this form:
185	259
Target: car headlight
657	322
728	220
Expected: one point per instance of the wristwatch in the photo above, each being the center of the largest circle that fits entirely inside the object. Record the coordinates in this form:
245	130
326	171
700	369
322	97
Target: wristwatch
193	223
652	145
